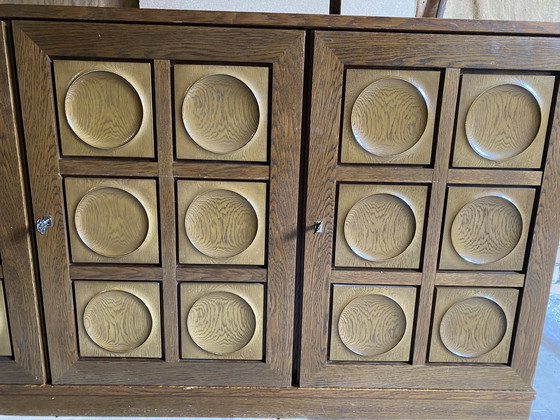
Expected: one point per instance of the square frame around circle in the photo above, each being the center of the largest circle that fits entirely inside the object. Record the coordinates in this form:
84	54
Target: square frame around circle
144	190
472	86
5	345
427	82
138	75
254	192
446	297
404	296
457	198
253	294
349	194
256	78
147	292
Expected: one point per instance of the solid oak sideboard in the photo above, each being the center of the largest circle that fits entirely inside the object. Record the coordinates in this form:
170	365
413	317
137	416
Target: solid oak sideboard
268	215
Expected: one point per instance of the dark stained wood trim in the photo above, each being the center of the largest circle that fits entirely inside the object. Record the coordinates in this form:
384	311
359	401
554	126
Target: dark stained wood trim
209	274
276	20
88	167
104	272
435	214
541	261
375	277
222	170
362	173
264	402
18	269
494	177
1	272
480	279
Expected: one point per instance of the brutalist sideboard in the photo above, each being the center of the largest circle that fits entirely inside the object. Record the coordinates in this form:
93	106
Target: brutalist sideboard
241	214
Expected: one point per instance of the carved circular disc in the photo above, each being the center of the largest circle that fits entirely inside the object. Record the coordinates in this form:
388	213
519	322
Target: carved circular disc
221	323
473	327
389	117
502	122
486	230
221	223
379	227
371	325
220	113
117	321
111	222
103	109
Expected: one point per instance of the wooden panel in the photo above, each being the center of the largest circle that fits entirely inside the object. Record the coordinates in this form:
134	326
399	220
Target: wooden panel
222	321
104	272
480	279
389	116
221	112
380	225
221	274
26	365
486	229
112	220
494	177
473	325
118	319
107	168
372	323
221	171
502	120
5	345
370	174
221	222
365	276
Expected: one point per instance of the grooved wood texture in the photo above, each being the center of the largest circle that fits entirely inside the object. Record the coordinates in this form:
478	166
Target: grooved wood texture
380	225
5	345
104	108
372	323
222	321
221	112
221	222
389	116
486	229
502	120
112	220
473	325
118	319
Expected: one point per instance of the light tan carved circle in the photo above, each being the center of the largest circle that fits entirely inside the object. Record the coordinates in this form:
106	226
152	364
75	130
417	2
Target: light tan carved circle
221	323
371	325
473	327
221	223
379	227
389	117
502	122
103	109
117	321
111	222
486	230
220	113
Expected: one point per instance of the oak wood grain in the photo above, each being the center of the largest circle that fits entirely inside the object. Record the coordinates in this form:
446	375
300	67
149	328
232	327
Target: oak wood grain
222	274
480	279
396	277
371	173
494	177
18	267
5	344
221	171
111	167
115	272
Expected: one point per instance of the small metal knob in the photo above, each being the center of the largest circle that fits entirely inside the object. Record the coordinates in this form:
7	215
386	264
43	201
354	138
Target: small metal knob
43	224
318	227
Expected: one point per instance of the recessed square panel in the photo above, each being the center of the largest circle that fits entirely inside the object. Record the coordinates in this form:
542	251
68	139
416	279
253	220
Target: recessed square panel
5	346
112	220
380	225
389	116
222	321
486	228
473	325
118	319
372	323
502	120
221	112
104	108
221	222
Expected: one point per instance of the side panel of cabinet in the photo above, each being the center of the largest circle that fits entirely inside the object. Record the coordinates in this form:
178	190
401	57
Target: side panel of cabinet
168	162
433	175
21	354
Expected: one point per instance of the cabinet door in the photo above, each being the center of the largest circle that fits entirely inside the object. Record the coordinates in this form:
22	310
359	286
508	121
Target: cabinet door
21	355
168	158
430	225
